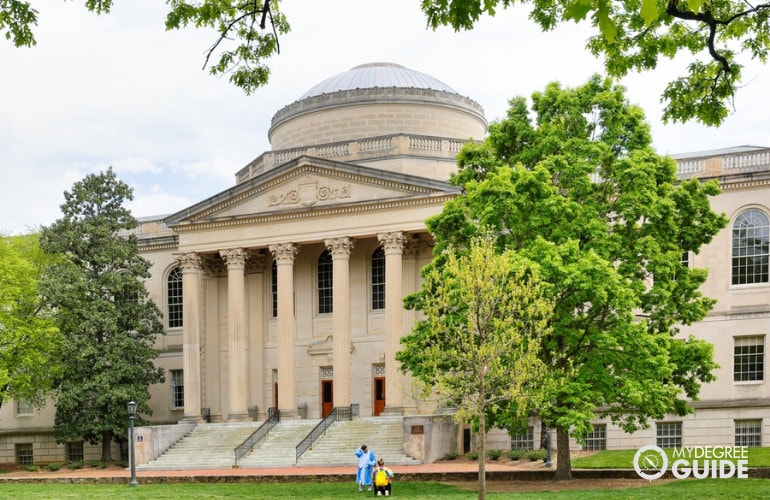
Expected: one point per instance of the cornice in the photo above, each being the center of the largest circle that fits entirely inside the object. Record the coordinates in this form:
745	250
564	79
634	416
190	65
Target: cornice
315	213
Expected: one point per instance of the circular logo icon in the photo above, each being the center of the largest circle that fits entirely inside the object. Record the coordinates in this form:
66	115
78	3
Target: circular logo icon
650	462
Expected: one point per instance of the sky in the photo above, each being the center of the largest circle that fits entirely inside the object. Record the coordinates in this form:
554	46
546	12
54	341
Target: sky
119	91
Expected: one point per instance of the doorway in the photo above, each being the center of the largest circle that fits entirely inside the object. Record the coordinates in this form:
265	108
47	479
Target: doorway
327	397
379	395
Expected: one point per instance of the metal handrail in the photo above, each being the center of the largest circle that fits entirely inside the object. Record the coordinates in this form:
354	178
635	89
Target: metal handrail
273	417
337	413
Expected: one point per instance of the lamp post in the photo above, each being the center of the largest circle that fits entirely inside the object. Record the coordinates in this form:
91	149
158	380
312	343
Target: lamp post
131	415
549	448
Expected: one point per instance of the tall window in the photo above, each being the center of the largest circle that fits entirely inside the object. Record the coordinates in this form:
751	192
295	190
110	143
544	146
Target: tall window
748	432
174	298
325	282
378	279
751	240
177	388
749	359
274	288
597	438
669	434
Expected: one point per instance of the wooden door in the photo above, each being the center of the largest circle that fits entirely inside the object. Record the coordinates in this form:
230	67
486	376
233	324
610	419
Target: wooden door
327	397
379	395
275	395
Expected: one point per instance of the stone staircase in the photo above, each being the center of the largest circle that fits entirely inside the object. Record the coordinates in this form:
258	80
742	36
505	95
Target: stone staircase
277	448
383	435
210	446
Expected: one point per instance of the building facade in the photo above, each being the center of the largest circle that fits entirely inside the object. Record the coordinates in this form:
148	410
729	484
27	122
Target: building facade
285	291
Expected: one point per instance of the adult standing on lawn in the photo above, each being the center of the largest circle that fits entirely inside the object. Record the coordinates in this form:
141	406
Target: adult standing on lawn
366	461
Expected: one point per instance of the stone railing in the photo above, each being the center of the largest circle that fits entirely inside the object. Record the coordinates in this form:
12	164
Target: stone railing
361	149
746	161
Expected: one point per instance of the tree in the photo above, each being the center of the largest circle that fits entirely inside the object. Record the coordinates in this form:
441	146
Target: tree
103	311
477	347
29	340
633	35
243	26
579	191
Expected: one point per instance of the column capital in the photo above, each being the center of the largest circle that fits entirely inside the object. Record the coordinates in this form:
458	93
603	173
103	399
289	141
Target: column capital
234	257
189	262
339	247
392	241
284	253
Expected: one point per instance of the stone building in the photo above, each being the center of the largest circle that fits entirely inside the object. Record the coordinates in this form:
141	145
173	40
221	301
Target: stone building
285	290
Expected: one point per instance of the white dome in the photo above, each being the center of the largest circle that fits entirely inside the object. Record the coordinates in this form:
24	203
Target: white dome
377	75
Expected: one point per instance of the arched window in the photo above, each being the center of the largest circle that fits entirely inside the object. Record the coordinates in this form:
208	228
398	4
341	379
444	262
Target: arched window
751	235
325	282
174	298
274	288
378	279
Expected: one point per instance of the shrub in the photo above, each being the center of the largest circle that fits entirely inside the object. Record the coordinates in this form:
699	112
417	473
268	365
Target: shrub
54	466
97	464
494	454
31	468
516	454
535	455
451	456
75	465
121	463
472	455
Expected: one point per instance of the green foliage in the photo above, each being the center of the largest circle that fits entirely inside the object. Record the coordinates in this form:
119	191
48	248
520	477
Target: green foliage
246	32
535	455
31	468
30	343
579	192
516	454
477	347
634	35
54	466
472	455
75	465
97	464
103	311
451	455
494	454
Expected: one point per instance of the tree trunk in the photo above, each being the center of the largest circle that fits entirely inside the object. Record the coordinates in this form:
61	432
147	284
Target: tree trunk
563	464
107	446
482	457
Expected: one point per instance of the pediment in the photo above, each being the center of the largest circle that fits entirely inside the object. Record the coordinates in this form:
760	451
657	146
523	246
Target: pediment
308	183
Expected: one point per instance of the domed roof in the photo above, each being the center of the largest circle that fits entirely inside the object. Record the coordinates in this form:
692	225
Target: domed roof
380	75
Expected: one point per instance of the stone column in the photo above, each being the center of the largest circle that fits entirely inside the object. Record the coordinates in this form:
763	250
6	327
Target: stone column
191	335
340	249
284	254
393	244
238	378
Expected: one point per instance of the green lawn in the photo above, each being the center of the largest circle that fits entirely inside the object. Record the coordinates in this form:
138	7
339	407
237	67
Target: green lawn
678	490
624	459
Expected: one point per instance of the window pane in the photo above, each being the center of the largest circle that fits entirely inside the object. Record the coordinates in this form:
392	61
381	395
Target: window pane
597	439
177	388
751	248
174	298
325	283
524	440
748	432
669	434
749	359
274	288
378	279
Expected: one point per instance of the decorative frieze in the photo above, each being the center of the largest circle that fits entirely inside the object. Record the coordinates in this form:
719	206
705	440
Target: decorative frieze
309	194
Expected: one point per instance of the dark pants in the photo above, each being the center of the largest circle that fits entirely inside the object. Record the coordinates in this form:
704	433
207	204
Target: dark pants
382	490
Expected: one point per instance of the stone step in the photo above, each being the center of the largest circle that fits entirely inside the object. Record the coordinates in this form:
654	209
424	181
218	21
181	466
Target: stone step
213	445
